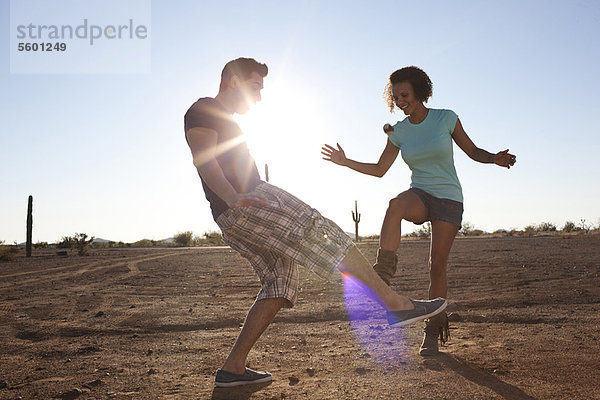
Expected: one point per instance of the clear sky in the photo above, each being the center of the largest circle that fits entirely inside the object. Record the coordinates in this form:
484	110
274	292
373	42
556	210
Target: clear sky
106	154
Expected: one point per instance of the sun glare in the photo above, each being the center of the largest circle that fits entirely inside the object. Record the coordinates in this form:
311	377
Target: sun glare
281	130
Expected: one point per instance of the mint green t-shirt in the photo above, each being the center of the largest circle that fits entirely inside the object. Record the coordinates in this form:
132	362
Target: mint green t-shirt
427	149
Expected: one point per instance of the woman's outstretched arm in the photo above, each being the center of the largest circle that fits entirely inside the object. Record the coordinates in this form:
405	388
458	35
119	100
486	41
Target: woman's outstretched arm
503	158
337	156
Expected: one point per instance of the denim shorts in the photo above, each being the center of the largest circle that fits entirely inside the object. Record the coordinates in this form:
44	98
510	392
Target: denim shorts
440	209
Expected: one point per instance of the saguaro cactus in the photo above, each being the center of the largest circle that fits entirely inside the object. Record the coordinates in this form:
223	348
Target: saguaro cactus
356	219
267	172
29	225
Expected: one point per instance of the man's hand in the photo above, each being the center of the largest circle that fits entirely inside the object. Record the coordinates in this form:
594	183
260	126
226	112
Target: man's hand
505	159
336	156
248	200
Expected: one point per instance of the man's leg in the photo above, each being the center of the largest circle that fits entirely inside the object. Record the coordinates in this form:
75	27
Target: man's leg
400	309
356	265
259	317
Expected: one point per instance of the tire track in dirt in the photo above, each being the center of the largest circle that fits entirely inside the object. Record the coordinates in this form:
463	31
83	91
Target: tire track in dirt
44	380
48	270
50	275
108	297
64	305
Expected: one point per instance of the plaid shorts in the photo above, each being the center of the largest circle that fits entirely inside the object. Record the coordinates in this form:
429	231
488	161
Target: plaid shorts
279	237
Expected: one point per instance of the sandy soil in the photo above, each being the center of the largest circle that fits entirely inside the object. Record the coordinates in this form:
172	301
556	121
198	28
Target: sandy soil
155	324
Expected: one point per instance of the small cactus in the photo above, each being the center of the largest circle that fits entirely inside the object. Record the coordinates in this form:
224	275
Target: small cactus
356	219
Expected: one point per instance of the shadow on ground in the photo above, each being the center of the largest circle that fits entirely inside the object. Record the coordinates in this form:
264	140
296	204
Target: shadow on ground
475	375
237	392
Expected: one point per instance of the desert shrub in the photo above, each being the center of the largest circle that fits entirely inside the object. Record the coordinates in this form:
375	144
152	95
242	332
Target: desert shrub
66	242
546	227
530	230
423	232
99	245
81	243
40	245
468	229
213	237
570	226
208	238
371	237
584	225
184	238
144	243
8	253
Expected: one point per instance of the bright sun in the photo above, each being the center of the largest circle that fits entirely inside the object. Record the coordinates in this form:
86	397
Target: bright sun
281	130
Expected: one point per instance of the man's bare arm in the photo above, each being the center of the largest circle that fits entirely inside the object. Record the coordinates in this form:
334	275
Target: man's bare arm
203	144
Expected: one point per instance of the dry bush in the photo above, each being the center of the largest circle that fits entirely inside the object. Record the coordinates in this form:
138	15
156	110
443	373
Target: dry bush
184	238
145	243
8	253
82	243
79	242
423	232
210	238
570	226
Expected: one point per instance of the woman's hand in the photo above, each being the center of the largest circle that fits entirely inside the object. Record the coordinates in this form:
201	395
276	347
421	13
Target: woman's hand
336	156
505	159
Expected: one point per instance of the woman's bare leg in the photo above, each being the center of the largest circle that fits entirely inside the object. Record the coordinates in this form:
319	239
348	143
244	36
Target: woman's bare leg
442	237
406	206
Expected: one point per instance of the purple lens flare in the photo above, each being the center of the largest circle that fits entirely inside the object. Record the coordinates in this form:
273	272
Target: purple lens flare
385	345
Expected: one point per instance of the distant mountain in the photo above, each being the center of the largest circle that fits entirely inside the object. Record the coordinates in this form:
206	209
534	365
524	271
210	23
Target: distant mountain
167	240
100	240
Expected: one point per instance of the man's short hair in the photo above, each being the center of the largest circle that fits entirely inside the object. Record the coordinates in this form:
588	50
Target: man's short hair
243	68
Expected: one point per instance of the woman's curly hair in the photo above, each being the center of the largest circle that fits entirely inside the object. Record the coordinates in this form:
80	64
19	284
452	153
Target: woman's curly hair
416	77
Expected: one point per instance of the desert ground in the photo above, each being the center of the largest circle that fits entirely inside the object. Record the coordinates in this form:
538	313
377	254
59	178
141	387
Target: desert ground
157	323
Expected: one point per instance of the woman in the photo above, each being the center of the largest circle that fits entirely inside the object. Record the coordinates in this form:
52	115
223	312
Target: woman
425	140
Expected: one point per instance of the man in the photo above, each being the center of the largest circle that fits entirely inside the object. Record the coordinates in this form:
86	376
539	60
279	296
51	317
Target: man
269	227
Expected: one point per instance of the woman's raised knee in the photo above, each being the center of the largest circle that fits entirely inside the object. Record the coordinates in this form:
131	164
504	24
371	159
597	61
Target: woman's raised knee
396	207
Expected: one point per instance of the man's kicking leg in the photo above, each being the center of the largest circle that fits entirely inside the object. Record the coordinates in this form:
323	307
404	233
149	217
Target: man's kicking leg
401	309
259	317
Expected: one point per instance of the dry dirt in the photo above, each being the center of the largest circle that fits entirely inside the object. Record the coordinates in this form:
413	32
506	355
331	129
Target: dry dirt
155	324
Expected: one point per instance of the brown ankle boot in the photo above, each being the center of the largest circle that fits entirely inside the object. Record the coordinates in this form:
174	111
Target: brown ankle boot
435	327
385	265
